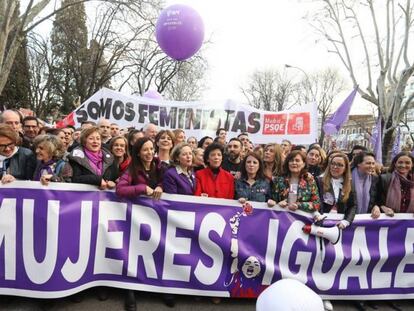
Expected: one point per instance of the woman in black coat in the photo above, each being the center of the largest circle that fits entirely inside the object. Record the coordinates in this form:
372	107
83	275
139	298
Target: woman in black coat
365	183
91	163
397	186
335	190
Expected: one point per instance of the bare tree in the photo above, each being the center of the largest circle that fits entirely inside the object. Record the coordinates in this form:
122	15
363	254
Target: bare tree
110	50
321	87
373	36
13	30
188	83
150	67
270	90
40	62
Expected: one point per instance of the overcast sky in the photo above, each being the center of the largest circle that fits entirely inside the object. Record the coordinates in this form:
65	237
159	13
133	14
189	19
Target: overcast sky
259	34
249	35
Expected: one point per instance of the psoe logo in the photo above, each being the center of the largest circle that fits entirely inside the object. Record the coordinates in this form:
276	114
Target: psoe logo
299	123
274	124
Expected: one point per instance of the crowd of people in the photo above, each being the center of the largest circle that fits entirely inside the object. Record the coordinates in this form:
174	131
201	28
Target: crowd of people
150	162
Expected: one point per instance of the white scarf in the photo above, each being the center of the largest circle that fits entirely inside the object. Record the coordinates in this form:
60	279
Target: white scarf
337	186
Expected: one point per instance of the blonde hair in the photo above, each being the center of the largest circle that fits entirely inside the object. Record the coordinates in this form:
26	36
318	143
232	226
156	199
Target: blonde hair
175	153
114	139
86	132
52	144
278	163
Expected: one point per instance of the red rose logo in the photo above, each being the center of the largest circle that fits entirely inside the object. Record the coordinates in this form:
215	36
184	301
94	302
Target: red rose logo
247	208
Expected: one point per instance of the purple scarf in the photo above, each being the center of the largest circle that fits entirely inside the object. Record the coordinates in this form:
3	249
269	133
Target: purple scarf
46	168
95	160
362	183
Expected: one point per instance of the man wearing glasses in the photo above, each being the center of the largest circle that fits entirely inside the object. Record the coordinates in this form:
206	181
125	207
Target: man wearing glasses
30	131
15	162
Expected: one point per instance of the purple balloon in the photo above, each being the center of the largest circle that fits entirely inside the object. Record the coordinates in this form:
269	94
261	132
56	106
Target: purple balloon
152	94
329	128
180	31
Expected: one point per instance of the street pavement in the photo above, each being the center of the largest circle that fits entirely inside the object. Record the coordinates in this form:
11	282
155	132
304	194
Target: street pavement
153	302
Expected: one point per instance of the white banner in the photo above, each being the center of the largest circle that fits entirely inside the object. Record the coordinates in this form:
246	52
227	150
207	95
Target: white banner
199	119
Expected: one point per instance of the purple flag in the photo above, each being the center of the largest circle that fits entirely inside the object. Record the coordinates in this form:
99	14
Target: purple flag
335	121
396	148
376	140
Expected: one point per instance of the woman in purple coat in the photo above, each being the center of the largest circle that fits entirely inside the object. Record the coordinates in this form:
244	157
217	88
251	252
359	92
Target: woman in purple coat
179	178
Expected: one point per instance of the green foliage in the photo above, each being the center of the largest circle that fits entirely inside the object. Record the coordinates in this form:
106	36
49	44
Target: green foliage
16	91
69	47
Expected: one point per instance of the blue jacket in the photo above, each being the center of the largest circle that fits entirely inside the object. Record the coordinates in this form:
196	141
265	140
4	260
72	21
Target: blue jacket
259	191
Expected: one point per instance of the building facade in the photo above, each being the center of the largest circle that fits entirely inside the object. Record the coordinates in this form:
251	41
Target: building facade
356	131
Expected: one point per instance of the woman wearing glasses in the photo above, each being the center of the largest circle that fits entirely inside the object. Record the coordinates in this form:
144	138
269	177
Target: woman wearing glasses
336	193
335	190
15	162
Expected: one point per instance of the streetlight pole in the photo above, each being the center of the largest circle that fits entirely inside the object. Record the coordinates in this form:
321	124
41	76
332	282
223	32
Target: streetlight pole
307	78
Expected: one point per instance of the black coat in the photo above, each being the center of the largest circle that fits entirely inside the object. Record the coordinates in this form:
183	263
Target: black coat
315	171
83	173
347	208
383	185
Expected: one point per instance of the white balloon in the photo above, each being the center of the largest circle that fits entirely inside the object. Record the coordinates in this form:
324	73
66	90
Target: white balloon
289	295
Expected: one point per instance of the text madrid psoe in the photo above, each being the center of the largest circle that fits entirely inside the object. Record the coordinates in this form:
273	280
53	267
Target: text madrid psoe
308	261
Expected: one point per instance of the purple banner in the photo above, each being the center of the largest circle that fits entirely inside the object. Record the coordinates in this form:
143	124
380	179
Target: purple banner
58	240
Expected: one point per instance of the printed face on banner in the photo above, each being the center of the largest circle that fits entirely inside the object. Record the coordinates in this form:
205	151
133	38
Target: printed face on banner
251	267
274	124
299	123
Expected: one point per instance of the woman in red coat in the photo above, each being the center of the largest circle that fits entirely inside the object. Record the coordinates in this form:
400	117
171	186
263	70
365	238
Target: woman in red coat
213	181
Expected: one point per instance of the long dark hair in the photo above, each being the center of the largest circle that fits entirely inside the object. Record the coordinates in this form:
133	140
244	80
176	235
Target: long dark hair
399	155
202	140
243	171
289	158
136	162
